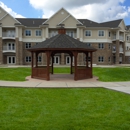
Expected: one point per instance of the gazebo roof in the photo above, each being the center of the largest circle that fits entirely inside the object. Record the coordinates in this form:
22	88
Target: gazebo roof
62	41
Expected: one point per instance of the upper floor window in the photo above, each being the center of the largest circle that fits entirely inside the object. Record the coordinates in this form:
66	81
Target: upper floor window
38	32
109	46
89	44
27	32
53	33
27	45
101	33
88	33
109	34
70	33
101	45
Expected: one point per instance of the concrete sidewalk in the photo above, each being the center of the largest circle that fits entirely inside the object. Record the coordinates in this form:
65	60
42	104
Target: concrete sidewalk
57	82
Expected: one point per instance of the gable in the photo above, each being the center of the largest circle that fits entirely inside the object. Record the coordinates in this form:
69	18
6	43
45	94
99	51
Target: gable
61	16
122	25
70	22
8	21
2	13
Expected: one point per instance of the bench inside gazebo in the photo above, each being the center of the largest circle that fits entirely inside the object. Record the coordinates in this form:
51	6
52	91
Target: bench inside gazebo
61	43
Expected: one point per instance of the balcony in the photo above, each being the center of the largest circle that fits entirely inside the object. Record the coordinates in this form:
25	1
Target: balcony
121	38
9	49
121	50
10	35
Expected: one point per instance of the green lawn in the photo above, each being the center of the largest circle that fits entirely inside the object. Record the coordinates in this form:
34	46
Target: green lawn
63	109
104	74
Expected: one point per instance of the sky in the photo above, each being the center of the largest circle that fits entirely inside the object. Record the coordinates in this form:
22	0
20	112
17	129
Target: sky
95	10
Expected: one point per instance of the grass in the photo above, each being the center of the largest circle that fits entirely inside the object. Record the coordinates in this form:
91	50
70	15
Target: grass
63	109
104	74
14	74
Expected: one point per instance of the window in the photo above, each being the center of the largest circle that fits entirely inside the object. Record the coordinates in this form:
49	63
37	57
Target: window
109	34
88	33
53	33
27	32
109	59
28	59
70	33
101	45
37	43
109	46
101	33
100	59
27	45
39	59
38	32
89	44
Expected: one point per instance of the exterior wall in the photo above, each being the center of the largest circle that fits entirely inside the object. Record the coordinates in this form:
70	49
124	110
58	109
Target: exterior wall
1	51
8	21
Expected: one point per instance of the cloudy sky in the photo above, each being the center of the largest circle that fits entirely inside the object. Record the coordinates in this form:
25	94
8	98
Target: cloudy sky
96	10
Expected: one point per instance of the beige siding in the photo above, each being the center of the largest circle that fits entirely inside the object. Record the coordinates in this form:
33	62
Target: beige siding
8	21
122	25
57	18
2	13
70	22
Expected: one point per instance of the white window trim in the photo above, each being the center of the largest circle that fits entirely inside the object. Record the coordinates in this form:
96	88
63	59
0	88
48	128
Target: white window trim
28	59
28	45
38	33
90	32
69	60
39	60
99	31
11	59
55	60
28	30
102	44
100	58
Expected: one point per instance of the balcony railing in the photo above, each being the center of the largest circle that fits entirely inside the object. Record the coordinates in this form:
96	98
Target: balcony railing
121	50
9	49
7	34
121	38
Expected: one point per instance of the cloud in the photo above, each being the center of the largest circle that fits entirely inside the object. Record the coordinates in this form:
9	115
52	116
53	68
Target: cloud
97	10
10	11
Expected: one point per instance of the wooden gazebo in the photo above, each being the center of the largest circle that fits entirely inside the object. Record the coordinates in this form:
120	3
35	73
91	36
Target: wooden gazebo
61	43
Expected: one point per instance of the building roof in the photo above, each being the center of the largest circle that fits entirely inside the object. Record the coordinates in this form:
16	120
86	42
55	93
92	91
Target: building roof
36	22
128	27
31	22
62	41
111	24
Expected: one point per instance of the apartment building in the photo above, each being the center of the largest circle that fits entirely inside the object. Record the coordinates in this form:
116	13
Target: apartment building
111	39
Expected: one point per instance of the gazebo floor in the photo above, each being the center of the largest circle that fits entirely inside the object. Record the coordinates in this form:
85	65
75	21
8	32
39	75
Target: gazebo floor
63	77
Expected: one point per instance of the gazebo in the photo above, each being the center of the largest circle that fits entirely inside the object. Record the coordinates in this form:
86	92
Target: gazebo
61	43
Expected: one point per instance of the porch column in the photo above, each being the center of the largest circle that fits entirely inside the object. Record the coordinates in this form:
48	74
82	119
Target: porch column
91	56
48	67
32	56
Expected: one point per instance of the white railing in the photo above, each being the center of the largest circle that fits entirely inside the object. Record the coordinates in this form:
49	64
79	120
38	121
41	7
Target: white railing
9	49
121	49
121	38
7	34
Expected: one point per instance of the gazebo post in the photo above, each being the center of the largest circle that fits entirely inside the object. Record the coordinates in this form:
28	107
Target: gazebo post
91	63
36	57
32	64
86	59
71	71
48	67
75	66
52	64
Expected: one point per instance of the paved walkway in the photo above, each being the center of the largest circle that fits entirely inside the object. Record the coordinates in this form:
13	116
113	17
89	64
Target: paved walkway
66	81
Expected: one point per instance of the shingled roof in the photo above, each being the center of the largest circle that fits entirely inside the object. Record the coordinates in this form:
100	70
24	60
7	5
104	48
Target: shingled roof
62	41
31	22
111	24
35	22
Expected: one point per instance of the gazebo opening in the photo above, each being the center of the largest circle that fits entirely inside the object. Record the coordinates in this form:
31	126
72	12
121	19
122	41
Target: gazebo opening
62	43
